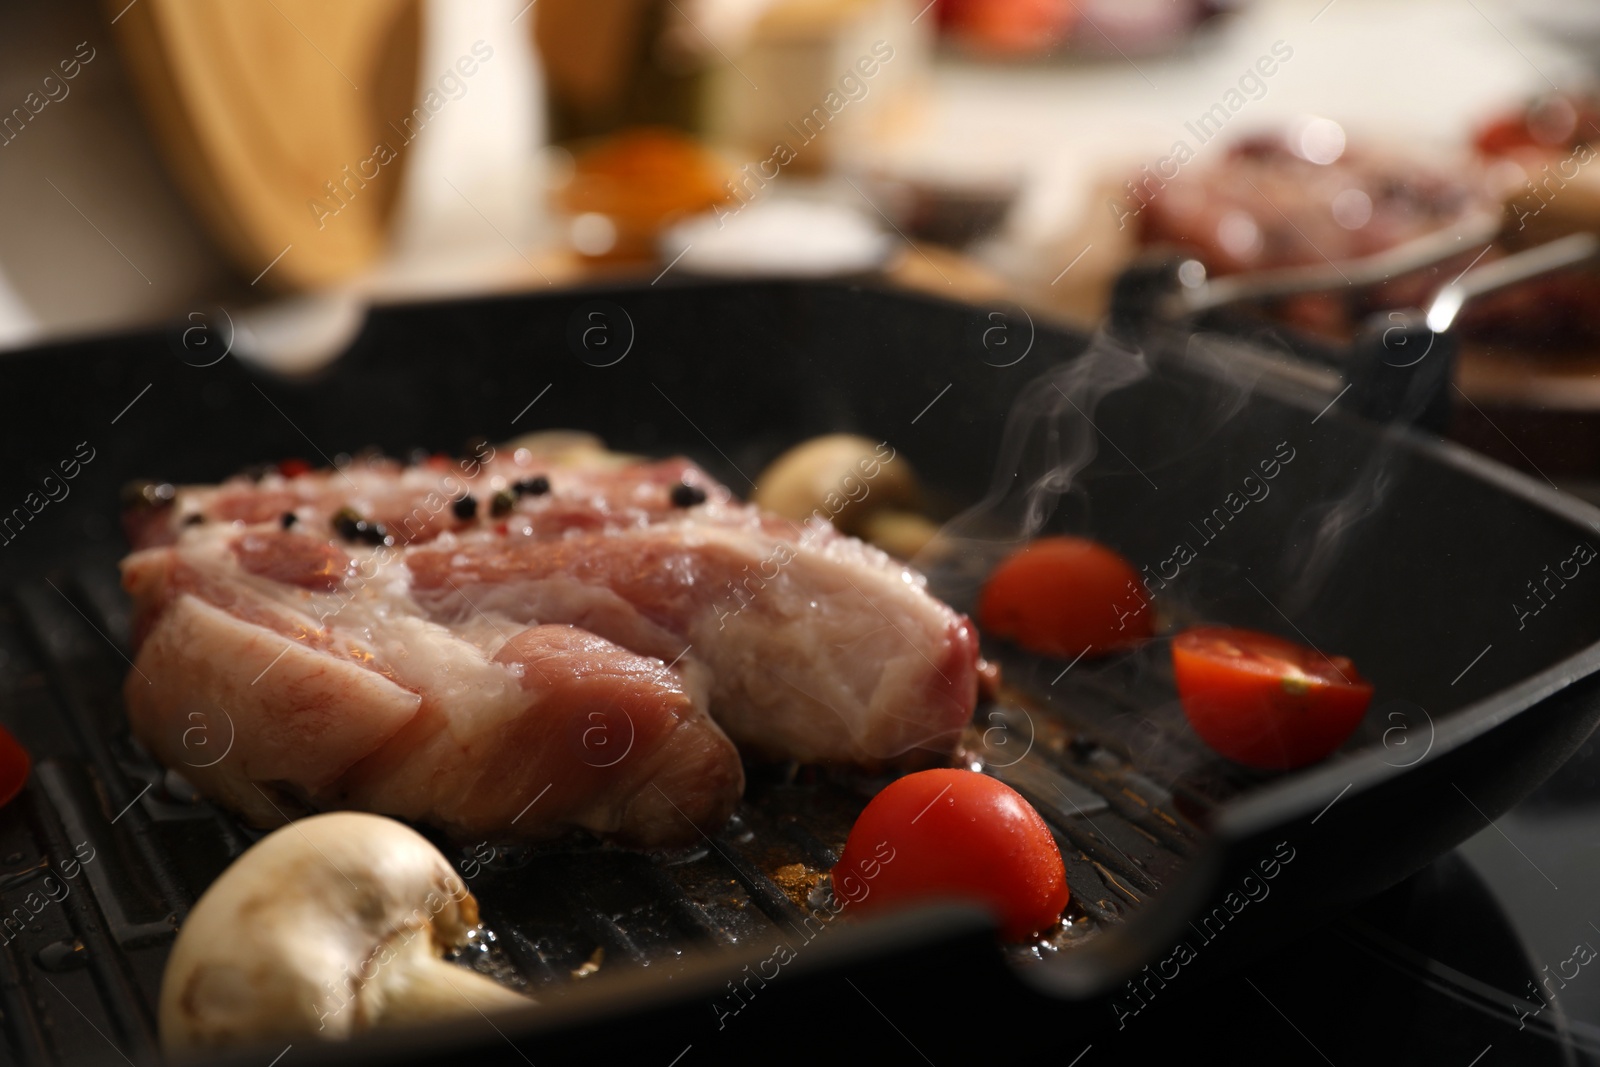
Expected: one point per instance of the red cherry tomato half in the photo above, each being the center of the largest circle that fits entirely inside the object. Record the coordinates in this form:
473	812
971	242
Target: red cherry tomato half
293	468
954	835
1263	701
1061	595
14	766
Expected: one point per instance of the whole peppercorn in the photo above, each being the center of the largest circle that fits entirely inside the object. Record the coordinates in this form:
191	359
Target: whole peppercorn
687	496
538	485
345	522
352	527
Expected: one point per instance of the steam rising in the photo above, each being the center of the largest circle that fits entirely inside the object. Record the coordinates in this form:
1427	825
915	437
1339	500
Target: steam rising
1338	518
1049	438
1053	434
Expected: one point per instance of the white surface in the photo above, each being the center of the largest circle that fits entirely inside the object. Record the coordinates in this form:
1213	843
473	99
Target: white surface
777	236
470	181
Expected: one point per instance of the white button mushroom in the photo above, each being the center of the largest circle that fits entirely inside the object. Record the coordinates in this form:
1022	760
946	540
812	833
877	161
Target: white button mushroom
860	486
328	926
565	447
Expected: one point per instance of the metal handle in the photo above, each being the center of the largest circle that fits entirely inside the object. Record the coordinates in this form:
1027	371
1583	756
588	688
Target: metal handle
1199	293
1402	363
1400	367
1170	290
1567	252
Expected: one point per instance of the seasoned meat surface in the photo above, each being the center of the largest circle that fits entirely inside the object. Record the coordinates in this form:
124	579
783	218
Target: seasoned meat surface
527	642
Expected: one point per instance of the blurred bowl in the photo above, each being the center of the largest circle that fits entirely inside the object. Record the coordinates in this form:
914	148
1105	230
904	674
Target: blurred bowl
947	209
777	237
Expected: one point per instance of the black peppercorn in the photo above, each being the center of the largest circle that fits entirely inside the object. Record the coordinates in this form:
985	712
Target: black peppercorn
352	527
538	485
373	533
687	496
288	520
466	508
194	520
346	523
502	504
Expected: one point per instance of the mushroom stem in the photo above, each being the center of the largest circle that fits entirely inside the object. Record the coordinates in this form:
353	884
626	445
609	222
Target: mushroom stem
902	534
326	927
421	987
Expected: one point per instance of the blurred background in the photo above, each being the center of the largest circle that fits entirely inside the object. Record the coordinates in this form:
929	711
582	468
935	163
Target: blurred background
287	163
267	170
281	165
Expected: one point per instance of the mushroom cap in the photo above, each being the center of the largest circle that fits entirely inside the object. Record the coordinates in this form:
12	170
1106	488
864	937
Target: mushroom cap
566	448
291	938
845	476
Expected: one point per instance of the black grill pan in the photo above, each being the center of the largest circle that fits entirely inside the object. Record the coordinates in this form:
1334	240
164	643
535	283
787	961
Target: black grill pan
1406	554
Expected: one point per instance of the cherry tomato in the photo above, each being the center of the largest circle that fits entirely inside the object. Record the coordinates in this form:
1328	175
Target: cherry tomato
293	468
1263	701
14	766
954	835
1504	136
1061	595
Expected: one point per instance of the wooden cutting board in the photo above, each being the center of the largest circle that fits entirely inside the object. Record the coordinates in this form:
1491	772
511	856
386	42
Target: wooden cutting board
282	120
